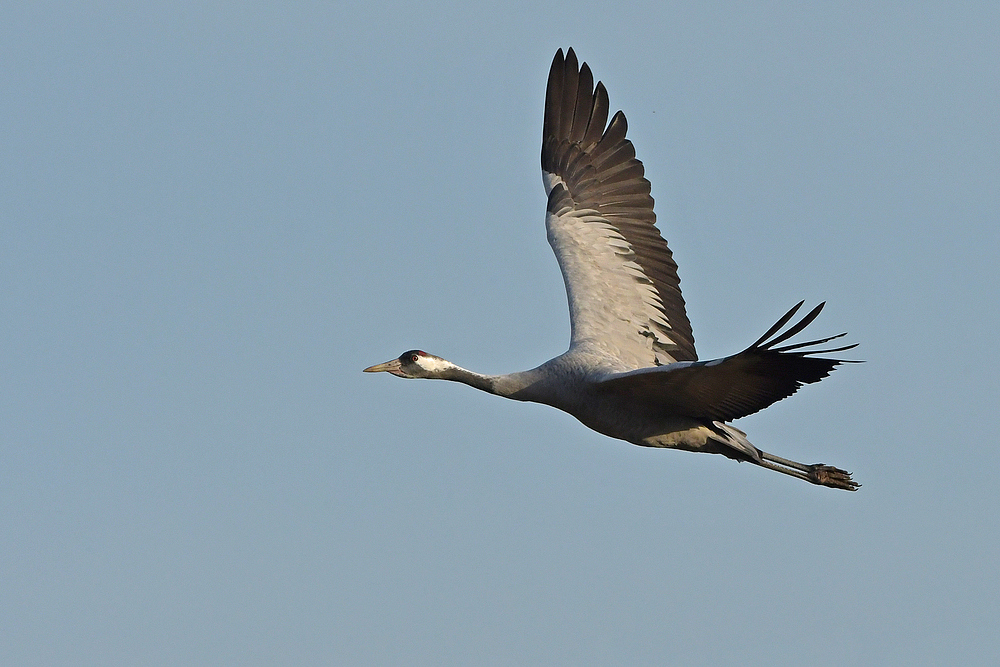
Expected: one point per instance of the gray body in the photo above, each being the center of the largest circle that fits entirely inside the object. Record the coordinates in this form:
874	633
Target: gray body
570	384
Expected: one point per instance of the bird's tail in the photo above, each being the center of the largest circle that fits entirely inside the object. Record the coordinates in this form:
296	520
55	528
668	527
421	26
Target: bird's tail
736	441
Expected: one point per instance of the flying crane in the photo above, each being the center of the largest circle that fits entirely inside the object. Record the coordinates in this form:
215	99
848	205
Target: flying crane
631	371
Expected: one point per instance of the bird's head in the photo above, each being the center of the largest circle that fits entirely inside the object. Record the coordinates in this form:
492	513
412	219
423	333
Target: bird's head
414	364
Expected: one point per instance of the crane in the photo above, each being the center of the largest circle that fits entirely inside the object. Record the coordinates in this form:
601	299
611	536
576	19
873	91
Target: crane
631	371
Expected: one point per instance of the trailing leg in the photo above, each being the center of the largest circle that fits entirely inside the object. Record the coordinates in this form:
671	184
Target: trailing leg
816	473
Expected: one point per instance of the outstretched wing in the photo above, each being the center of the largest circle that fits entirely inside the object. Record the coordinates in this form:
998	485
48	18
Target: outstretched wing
736	386
624	295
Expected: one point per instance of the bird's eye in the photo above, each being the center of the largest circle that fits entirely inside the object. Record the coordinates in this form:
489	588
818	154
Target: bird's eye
413	357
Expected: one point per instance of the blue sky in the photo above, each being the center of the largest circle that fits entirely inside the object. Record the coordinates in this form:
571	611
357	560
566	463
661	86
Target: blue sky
215	216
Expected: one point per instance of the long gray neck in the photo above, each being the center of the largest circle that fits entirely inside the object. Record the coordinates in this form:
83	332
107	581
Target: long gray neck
512	385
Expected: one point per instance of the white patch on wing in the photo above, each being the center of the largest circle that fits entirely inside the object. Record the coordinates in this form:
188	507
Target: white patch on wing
550	181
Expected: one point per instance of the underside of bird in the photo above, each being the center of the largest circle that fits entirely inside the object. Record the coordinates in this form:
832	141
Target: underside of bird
731	442
687	405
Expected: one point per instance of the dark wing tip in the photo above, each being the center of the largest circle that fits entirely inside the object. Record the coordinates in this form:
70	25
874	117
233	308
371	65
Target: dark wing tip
767	343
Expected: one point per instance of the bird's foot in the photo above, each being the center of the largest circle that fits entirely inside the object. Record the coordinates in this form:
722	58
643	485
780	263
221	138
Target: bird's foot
833	477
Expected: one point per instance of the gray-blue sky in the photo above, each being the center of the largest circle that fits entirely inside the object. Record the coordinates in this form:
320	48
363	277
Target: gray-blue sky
215	216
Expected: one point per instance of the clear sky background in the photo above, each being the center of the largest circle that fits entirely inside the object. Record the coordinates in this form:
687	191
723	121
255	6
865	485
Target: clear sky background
215	215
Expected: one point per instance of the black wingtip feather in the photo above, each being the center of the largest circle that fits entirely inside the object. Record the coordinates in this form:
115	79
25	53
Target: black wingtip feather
796	328
777	325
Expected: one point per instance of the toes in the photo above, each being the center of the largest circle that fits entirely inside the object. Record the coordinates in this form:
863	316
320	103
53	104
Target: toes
833	477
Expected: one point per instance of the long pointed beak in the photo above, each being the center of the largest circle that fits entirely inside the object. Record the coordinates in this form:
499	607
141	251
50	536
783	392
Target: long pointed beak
389	366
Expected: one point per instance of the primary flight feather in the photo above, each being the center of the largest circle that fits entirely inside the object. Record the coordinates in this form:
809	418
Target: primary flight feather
631	371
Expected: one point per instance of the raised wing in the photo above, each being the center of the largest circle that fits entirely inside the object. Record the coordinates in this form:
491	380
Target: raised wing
736	386
625	300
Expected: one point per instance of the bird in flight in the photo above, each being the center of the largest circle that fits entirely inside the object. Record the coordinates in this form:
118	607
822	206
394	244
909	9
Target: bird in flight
631	371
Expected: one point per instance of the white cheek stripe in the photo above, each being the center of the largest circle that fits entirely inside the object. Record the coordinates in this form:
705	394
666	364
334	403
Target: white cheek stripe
433	364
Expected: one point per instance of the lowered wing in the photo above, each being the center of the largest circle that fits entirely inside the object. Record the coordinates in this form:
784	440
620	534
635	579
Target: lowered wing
736	386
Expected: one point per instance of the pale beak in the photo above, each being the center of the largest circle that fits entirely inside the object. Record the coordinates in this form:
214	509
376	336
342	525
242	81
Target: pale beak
389	366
